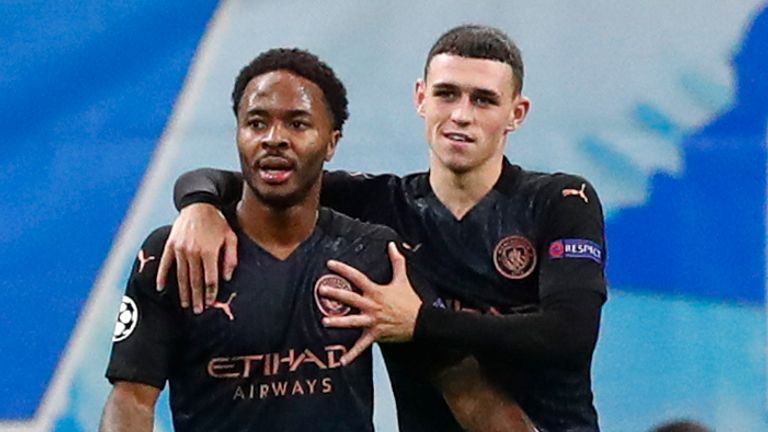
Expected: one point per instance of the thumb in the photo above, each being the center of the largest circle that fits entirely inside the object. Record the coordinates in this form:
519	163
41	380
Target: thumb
398	262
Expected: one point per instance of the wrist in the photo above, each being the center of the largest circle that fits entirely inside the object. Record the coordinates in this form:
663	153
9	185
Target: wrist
197	198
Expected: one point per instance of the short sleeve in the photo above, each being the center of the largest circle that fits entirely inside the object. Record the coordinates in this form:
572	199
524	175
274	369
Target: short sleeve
572	248
147	324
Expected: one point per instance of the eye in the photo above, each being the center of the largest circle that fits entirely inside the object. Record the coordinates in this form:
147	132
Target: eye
483	101
446	94
300	125
257	124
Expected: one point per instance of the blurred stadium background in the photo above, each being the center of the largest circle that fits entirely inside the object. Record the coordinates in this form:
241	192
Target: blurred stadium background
663	105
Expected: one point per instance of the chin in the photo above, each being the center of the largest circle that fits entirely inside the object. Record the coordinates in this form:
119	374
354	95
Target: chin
458	164
277	197
280	201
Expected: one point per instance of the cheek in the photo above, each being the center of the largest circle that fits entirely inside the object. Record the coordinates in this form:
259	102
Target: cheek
311	149
494	126
247	140
433	120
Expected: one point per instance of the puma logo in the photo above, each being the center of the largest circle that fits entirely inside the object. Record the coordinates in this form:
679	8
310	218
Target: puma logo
577	192
143	260
412	248
225	307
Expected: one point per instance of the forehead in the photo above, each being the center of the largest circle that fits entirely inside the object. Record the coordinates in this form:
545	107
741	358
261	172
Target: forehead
470	73
282	90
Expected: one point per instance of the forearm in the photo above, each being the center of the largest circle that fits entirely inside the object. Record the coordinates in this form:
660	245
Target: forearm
130	407
207	185
563	333
476	403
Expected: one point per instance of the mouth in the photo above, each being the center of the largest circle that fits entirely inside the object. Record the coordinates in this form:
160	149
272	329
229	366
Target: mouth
275	170
459	137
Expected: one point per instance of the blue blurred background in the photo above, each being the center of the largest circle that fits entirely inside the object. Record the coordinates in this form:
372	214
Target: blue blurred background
664	107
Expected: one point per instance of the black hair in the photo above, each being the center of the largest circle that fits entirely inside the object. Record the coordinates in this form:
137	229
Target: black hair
304	64
482	42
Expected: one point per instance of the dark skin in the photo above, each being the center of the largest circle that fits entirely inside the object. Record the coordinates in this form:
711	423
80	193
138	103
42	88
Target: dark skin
388	313
284	136
130	407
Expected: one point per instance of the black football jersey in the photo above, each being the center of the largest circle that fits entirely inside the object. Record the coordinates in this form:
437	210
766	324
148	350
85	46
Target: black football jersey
535	239
260	358
527	264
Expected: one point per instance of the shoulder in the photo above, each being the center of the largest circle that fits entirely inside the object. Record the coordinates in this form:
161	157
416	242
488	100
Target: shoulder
341	178
156	239
360	244
545	182
343	227
551	188
148	256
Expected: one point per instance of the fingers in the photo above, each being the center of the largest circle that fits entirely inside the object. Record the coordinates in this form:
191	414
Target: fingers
350	298
211	270
363	343
398	262
230	255
352	274
196	282
182	278
165	266
349	321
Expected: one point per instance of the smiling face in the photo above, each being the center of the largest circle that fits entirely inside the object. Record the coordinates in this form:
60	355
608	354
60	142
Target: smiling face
468	105
285	134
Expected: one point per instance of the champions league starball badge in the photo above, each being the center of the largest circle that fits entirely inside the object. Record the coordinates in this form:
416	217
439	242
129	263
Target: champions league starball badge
332	308
127	319
514	257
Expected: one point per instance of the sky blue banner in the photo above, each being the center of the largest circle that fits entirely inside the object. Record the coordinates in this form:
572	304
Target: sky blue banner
87	88
664	107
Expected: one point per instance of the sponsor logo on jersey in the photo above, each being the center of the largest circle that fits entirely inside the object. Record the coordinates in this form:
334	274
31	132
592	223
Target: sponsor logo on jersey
514	257
576	248
414	248
226	307
577	193
279	374
275	363
127	318
328	307
284	388
143	260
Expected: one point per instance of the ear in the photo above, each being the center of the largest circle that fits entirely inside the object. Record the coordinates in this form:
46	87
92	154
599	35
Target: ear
330	150
521	106
420	95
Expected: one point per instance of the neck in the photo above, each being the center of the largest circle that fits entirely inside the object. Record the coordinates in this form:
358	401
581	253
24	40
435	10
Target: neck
460	191
278	230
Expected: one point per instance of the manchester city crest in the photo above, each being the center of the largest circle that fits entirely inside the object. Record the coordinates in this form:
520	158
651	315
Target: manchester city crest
514	257
332	308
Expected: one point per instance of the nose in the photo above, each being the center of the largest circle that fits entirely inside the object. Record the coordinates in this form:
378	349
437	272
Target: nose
462	111
275	137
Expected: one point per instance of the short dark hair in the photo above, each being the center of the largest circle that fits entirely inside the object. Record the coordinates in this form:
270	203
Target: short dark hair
304	64
482	42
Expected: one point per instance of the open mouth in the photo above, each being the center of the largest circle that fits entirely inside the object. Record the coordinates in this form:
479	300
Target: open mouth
275	170
459	137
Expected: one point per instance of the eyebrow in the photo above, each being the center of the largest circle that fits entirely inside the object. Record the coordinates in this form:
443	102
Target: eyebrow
289	113
475	91
486	93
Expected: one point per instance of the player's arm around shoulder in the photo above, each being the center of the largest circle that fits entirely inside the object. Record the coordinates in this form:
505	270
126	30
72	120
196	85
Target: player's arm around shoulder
367	197
207	185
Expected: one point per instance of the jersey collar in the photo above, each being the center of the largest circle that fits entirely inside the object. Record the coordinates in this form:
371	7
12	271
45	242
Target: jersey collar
506	183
